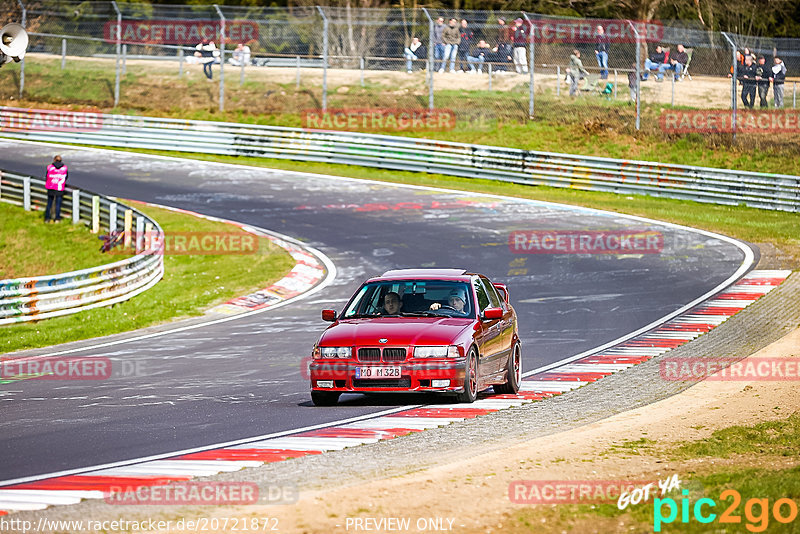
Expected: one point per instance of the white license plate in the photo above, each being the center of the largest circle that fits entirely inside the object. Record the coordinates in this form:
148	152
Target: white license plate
378	372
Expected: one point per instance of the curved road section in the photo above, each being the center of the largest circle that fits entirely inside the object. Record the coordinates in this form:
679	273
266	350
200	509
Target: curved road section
243	378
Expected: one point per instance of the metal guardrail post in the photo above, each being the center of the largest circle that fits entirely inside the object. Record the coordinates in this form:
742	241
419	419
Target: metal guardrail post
241	72
221	58
794	95
139	234
361	66
431	58
124	59
672	98
95	214
22	65
490	76
734	75
558	80
297	82
180	62
532	63
128	226
637	38
324	59
615	84
63	53
118	39
112	217
76	206
26	193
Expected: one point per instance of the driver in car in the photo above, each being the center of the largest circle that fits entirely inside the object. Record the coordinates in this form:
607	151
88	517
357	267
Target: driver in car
456	300
392	303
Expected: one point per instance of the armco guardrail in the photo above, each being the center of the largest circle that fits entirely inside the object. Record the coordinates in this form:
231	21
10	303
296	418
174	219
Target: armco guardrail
28	299
702	184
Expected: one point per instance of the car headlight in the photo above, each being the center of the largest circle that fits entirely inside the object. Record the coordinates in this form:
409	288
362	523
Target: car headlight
333	352
441	351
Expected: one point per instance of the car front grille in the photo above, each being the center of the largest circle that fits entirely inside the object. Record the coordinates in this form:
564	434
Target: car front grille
388	383
369	355
394	355
390	354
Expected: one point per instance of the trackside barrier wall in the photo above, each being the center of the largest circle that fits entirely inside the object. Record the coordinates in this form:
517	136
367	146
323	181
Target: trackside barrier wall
28	299
702	184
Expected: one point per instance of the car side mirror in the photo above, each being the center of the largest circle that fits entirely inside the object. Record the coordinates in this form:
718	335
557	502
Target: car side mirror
493	313
329	315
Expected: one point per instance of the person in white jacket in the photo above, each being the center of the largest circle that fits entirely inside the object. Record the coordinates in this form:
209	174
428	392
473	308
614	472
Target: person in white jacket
207	53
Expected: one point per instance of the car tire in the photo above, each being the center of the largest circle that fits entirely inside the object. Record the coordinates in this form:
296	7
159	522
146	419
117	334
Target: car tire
470	392
513	374
325	398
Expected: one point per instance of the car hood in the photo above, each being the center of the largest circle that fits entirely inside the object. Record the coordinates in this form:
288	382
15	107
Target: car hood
398	331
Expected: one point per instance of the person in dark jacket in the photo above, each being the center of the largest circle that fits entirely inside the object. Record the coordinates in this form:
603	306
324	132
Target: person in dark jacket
747	77
602	46
502	52
206	53
778	77
467	41
415	51
763	74
653	62
55	180
677	63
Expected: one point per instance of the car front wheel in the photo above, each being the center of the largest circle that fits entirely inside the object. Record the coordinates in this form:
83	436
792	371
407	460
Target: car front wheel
470	392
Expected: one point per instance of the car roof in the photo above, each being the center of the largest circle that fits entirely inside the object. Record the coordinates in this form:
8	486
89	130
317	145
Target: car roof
437	274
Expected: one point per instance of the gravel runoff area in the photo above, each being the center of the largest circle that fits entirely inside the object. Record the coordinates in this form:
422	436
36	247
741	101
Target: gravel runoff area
767	320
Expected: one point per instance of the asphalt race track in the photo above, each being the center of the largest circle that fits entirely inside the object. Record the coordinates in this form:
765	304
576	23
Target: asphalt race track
243	378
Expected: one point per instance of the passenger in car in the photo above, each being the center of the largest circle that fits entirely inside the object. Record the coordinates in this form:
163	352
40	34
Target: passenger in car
456	300
392	304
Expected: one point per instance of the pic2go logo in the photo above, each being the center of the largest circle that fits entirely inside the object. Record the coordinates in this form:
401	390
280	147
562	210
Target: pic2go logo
756	511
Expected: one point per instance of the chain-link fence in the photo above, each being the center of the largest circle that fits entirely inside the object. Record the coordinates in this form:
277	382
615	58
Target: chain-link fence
359	68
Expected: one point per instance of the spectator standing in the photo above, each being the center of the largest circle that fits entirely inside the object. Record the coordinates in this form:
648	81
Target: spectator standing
503	52
240	55
413	52
747	77
778	77
438	44
451	36
575	72
654	62
762	81
467	39
55	180
520	38
601	47
478	56
739	63
206	52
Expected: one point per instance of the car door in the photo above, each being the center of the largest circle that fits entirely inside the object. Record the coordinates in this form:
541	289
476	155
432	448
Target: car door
496	300
490	344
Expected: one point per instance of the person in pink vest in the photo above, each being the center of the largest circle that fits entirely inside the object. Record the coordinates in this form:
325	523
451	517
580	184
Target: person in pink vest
56	179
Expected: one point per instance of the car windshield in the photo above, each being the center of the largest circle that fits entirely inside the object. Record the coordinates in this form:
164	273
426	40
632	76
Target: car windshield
412	298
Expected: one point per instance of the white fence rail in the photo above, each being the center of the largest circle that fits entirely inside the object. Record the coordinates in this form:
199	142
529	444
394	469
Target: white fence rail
702	184
42	297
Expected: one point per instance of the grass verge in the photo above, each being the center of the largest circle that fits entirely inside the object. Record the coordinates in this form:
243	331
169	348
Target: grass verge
723	461
191	284
28	247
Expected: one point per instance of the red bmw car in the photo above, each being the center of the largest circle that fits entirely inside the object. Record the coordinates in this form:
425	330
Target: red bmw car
422	330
